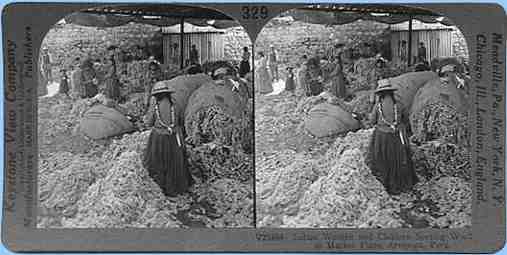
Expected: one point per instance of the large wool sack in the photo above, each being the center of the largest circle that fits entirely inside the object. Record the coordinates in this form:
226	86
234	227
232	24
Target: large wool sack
102	122
408	84
327	119
440	111
214	113
184	86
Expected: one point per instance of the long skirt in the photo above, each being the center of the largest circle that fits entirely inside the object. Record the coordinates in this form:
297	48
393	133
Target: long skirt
263	80
244	68
390	161
113	88
166	163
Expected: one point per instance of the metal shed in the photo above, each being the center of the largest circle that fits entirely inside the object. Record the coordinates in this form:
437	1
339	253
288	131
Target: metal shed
437	39
208	40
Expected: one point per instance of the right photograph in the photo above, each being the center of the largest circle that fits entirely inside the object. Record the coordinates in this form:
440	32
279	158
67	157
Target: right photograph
361	119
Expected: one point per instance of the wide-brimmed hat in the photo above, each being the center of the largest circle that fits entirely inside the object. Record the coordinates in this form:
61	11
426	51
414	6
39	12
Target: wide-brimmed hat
384	85
162	87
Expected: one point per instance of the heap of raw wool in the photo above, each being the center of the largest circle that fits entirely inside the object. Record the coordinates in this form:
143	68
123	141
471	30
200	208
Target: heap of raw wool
347	194
134	106
453	196
362	75
125	197
232	200
215	113
440	158
217	161
63	179
280	187
440	120
440	110
135	142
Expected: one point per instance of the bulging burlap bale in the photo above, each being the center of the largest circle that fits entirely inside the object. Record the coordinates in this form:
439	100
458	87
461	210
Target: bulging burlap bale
184	86
101	122
327	119
408	84
125	197
215	113
440	111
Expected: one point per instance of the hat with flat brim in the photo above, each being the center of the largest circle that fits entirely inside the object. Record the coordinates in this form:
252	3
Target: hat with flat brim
162	87
384	85
447	68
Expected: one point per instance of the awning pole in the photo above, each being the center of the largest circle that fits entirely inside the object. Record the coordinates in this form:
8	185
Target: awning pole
182	31
410	40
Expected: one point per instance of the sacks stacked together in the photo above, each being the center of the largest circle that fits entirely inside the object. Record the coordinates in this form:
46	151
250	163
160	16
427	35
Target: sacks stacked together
440	111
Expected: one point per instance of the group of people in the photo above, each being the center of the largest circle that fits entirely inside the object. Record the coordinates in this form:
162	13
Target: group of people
164	157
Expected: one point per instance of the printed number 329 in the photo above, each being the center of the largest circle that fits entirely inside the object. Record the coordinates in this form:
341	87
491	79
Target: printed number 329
254	12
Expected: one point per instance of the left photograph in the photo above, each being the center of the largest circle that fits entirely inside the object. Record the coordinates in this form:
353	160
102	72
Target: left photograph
145	120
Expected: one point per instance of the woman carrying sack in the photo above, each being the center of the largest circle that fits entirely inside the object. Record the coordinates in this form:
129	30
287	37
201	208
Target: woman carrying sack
165	157
389	156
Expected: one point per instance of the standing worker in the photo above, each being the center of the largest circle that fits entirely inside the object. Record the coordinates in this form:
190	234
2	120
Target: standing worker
112	81
154	75
244	66
338	84
389	151
273	65
46	66
290	84
165	157
194	55
86	80
421	52
64	83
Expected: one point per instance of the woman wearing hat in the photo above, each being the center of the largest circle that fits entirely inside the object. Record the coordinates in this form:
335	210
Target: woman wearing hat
165	156
88	80
389	152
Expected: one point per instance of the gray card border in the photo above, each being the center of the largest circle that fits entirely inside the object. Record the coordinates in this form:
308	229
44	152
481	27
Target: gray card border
25	24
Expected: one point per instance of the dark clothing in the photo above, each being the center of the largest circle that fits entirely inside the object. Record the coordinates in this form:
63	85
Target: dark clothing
244	68
313	86
290	83
338	84
113	87
390	161
89	89
194	56
421	53
165	156
64	86
389	156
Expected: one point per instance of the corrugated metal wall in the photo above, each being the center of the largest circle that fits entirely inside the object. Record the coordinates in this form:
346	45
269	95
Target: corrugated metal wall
438	43
209	45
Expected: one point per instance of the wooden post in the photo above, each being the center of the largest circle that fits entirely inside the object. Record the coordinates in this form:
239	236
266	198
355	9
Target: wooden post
182	32
410	41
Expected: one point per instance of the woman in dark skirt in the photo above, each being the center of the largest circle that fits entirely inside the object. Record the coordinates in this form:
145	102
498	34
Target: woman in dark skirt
165	157
64	83
244	66
112	82
389	156
290	84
